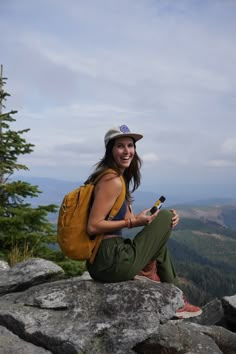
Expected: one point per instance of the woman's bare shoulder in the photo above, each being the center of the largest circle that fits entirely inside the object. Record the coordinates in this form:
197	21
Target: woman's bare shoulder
110	180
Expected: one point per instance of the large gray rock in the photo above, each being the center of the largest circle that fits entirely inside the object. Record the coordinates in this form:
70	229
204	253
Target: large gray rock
229	305
4	265
24	275
185	338
225	339
10	343
178	337
79	315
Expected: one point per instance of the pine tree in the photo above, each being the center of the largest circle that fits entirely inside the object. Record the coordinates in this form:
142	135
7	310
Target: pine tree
22	227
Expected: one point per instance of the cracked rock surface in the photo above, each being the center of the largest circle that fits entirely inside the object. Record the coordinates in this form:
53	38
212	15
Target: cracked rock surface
42	313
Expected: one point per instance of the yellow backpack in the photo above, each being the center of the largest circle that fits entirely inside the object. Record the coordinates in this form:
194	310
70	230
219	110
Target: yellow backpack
72	234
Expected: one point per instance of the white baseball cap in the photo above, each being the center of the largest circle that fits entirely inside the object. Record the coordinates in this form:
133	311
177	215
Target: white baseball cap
118	132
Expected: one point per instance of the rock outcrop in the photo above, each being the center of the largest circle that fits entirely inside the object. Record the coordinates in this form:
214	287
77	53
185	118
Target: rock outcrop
42	312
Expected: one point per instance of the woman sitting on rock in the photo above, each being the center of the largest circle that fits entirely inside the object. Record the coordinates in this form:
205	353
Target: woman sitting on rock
146	255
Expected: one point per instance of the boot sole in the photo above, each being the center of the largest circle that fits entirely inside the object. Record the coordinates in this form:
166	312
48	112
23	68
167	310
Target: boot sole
183	314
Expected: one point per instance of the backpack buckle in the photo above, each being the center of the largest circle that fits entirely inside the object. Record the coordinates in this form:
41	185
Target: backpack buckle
63	207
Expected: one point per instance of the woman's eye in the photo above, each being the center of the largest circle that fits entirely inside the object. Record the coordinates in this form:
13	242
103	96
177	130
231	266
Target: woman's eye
120	146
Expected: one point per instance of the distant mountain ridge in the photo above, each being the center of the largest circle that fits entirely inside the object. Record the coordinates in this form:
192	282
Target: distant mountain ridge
219	210
223	215
53	191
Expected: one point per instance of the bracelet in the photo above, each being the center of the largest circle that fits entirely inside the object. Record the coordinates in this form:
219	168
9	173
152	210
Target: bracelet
128	223
131	224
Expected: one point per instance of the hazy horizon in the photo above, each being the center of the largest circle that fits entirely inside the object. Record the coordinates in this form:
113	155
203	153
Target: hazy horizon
174	193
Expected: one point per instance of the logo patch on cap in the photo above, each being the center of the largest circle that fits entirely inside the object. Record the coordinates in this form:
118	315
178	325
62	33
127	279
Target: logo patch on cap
124	129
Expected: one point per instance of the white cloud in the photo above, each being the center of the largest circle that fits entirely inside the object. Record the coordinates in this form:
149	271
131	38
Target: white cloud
221	163
229	146
166	69
150	157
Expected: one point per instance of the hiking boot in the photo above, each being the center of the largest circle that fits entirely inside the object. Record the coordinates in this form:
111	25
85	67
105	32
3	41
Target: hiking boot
188	310
149	272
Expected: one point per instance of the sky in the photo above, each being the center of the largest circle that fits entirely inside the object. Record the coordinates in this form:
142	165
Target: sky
164	68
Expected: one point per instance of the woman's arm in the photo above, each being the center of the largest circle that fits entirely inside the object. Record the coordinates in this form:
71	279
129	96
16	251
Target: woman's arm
106	192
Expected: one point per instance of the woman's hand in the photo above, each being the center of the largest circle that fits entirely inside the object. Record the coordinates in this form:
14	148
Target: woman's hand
175	218
143	219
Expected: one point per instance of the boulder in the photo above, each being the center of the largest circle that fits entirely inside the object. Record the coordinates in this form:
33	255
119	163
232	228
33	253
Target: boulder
4	265
25	274
229	306
10	343
80	316
76	315
179	338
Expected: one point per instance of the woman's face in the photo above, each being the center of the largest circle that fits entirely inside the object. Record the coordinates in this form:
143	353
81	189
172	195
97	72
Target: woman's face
123	152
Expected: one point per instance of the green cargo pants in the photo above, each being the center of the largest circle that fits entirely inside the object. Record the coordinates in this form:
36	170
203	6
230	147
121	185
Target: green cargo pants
119	259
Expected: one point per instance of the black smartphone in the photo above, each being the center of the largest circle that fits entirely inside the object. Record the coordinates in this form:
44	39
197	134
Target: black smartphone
157	205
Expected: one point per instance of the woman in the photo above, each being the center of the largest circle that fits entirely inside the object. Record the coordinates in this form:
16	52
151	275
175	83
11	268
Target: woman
118	258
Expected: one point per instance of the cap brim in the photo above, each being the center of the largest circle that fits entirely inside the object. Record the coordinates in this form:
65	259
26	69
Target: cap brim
135	136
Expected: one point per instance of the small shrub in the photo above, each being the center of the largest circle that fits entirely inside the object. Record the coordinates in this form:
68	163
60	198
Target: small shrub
72	268
18	254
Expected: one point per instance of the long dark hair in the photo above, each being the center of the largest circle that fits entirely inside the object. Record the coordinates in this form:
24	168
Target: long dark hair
132	175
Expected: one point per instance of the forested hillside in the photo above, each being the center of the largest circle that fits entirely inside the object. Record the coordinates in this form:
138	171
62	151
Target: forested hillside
203	247
206	263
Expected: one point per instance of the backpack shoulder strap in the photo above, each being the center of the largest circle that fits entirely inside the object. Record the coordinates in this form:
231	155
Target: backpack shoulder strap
119	201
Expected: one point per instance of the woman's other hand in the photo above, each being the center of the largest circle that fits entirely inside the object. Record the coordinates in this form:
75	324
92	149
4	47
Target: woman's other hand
175	218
